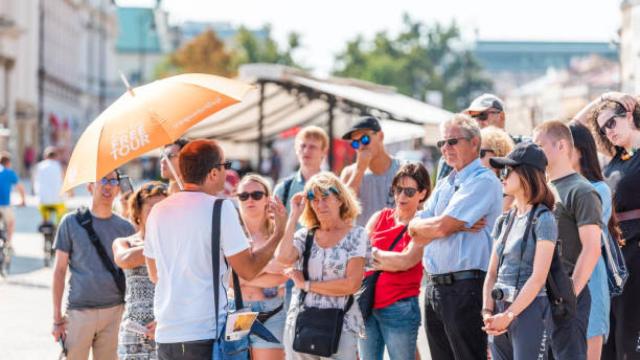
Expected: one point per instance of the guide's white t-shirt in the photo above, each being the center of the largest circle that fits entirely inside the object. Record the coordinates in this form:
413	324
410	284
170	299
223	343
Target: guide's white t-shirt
178	238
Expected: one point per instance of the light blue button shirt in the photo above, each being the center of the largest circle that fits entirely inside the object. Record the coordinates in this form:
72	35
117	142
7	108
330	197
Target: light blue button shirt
469	195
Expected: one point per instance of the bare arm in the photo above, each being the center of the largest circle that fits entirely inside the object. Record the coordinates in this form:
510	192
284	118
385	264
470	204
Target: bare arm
489	281
352	177
57	287
348	285
398	261
590	239
152	270
286	254
248	263
126	256
23	198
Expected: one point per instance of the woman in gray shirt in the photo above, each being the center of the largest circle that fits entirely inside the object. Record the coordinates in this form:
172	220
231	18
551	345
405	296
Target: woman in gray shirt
515	304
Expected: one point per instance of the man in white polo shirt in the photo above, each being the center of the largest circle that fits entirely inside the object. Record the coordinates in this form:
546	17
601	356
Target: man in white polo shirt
178	252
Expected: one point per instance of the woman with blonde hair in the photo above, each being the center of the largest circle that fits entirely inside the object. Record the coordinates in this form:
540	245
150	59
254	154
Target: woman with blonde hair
328	255
495	142
265	293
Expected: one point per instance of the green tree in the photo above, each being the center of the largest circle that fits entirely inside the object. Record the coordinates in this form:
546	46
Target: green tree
249	48
205	53
419	59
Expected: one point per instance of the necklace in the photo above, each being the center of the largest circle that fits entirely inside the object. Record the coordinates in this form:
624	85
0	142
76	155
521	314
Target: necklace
628	154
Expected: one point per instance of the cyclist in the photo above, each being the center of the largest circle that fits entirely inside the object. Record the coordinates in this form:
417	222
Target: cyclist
47	182
9	179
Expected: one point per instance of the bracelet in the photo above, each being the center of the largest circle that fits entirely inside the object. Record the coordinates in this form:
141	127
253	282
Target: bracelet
486	311
62	321
307	285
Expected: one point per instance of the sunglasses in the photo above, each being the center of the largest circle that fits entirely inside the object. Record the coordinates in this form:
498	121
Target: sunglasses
484	152
255	195
483	116
226	165
161	189
112	182
409	192
505	172
364	140
311	195
450	142
609	124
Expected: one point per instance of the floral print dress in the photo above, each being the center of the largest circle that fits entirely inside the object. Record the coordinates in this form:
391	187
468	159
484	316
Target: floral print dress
330	264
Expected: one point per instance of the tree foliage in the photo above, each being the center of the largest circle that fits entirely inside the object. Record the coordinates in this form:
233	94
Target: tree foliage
419	59
206	53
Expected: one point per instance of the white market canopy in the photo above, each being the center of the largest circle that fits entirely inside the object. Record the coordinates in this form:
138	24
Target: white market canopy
286	98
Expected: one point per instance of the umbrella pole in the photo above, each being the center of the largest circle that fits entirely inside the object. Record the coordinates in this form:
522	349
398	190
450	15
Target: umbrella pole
173	171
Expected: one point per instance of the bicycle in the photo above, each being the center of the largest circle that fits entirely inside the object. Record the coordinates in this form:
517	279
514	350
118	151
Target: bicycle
48	230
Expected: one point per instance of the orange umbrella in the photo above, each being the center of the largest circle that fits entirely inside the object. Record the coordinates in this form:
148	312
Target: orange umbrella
145	118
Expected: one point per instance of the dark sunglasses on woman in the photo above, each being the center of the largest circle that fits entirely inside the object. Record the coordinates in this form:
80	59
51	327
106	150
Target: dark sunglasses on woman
484	152
255	195
609	124
505	172
409	192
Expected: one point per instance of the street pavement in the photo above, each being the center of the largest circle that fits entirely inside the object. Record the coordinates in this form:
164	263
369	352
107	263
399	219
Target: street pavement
25	295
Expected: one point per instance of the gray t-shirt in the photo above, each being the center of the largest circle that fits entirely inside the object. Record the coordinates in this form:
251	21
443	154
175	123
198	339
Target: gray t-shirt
514	259
91	285
375	192
577	204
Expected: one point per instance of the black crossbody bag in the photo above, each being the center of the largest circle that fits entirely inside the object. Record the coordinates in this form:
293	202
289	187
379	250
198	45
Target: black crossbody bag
317	331
367	292
83	216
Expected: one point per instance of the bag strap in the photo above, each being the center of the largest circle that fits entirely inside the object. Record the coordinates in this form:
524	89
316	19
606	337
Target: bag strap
84	217
394	243
510	219
287	189
533	217
215	254
398	238
237	291
306	254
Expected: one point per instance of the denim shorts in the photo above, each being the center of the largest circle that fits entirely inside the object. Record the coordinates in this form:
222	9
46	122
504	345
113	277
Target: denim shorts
275	324
600	302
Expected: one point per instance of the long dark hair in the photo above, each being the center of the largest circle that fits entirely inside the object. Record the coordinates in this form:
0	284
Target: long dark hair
584	142
535	186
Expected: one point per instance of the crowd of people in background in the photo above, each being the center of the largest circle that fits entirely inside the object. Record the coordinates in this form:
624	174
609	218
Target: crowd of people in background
509	243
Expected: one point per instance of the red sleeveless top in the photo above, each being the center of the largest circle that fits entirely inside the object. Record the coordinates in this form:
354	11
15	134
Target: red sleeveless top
393	286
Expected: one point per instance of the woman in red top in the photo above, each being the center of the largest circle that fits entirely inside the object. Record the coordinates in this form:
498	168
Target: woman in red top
395	319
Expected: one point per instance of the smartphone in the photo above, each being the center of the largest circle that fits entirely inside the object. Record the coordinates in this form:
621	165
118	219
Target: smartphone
62	345
125	184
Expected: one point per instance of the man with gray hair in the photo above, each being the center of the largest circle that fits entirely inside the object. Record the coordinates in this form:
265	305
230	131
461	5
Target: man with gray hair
455	230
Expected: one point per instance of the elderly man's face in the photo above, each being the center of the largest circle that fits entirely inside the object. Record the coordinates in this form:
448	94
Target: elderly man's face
458	150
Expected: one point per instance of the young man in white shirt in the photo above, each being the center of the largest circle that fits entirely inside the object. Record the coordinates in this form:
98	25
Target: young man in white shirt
178	254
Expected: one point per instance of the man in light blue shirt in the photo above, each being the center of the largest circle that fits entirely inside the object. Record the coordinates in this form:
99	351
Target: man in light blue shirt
455	229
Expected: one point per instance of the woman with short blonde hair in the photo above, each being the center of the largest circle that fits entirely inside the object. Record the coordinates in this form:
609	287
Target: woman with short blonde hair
335	266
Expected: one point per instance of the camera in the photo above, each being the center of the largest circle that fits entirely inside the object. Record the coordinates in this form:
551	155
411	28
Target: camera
506	294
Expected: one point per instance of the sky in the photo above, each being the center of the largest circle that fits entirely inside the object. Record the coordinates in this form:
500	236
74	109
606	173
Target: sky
327	25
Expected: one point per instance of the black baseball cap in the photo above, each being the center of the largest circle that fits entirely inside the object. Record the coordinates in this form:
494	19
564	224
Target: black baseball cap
363	123
523	154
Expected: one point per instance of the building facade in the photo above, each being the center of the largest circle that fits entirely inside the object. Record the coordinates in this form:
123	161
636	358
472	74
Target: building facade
630	46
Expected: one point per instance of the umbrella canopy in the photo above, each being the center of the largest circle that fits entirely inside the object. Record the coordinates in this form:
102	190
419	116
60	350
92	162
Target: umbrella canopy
145	118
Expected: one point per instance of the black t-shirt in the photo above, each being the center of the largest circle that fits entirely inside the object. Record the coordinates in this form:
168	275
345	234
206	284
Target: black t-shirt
623	176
